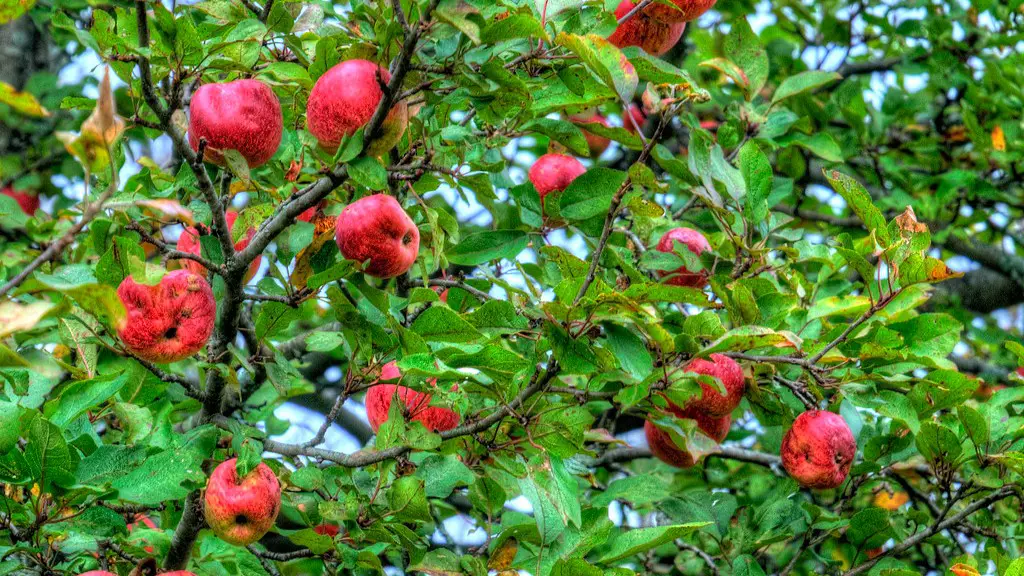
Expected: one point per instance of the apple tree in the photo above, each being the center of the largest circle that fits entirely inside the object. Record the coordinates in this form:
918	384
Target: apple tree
668	287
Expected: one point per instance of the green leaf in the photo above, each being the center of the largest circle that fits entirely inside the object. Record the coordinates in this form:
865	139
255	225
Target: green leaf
47	456
861	203
77	282
408	500
565	133
369	172
442	474
9	427
937	443
605	60
640	540
803	82
512	27
81	396
744	48
462	16
481	247
591	193
747	338
629	350
869	528
162	477
441	324
745	565
757	174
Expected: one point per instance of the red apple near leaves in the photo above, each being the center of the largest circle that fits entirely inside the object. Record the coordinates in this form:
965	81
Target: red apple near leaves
28	203
654	37
416	405
684	11
633	118
596	144
376	228
170	321
241	510
344	99
244	115
711	401
553	172
665	449
818	450
189	242
696	243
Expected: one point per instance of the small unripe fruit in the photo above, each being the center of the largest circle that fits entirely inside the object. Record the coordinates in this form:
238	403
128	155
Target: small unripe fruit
189	242
376	228
244	115
654	37
344	99
416	405
553	172
596	144
696	243
818	450
170	321
688	10
28	203
712	402
241	510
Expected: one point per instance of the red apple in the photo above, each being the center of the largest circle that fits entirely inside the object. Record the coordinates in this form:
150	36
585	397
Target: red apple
654	37
553	172
696	243
596	144
664	449
818	449
416	404
189	242
241	510
711	401
638	116
243	115
344	99
177	573
376	228
170	321
28	203
688	10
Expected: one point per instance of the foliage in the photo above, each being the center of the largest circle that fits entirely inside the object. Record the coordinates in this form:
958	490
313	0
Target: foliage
832	200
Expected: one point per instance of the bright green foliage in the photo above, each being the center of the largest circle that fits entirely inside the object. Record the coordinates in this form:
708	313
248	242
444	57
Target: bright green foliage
833	198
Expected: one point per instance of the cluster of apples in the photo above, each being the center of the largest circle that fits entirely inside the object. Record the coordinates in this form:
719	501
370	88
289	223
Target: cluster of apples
658	27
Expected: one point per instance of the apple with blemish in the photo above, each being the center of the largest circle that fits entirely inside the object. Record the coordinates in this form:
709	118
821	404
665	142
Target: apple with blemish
818	449
712	402
683	10
240	510
376	229
345	98
665	449
415	405
189	242
652	36
243	115
695	242
170	321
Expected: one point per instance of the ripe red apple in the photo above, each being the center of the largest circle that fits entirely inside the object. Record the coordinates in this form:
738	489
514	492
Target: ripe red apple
241	510
712	402
688	10
376	228
654	37
243	115
170	321
28	203
189	242
344	99
665	449
818	449
553	172
696	243
596	144
638	116
416	404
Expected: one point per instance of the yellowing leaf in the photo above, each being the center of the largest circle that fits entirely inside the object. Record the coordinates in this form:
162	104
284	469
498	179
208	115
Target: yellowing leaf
104	124
998	139
15	317
22	102
502	558
908	222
